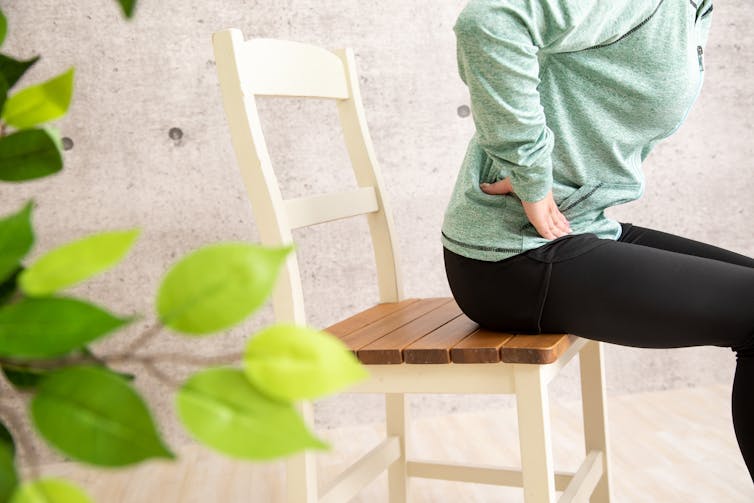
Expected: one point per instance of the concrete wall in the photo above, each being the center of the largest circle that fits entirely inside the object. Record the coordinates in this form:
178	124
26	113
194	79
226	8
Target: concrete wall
136	81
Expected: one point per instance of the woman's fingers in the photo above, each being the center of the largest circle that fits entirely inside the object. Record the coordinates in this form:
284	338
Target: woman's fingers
499	187
546	218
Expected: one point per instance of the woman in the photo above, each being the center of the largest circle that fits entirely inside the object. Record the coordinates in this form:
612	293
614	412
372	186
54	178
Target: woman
568	98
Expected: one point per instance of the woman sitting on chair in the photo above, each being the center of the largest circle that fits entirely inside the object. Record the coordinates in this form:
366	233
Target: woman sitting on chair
527	246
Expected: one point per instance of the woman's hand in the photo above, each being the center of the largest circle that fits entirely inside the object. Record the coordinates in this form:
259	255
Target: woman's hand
544	214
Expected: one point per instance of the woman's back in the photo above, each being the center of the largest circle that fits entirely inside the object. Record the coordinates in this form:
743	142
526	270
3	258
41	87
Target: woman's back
568	96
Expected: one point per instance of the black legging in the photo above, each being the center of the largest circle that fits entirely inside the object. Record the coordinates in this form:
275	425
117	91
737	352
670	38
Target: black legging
648	289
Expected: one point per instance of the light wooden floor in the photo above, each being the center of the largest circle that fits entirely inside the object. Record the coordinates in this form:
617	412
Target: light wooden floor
668	446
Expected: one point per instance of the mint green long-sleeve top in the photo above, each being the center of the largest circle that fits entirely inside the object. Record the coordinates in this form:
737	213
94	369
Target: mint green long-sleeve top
569	96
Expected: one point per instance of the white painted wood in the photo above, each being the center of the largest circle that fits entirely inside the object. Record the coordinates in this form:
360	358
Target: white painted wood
276	67
478	473
534	432
349	482
301	469
585	480
256	169
311	210
594	406
368	174
437	378
397	425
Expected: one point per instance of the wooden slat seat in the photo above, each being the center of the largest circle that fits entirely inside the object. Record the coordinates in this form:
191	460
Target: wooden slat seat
435	330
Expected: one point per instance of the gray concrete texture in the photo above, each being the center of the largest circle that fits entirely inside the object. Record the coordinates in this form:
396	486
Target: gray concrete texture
151	149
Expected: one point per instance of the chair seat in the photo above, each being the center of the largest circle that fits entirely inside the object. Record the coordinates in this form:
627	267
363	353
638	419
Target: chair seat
435	330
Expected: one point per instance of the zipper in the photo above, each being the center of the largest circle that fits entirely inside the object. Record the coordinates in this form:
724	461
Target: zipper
629	31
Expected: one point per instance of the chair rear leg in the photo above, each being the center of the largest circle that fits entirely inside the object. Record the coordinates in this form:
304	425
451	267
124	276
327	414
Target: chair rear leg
397	424
301	469
594	406
532	404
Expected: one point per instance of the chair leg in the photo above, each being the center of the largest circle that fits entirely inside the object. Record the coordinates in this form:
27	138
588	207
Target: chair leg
594	405
532	404
397	424
301	469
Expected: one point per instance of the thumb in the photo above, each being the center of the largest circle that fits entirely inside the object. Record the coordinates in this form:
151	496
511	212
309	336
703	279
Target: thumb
500	187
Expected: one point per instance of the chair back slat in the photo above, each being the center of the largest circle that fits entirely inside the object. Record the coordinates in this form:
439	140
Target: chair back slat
311	210
271	67
274	67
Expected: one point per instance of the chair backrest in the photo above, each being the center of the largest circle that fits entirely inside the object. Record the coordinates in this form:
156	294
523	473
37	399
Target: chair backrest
273	67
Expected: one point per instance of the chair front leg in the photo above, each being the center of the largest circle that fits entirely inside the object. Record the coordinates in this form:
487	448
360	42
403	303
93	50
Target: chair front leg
397	425
594	404
301	469
532	404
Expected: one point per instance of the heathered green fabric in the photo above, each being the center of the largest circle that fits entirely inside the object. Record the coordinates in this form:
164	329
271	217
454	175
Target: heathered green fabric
568	95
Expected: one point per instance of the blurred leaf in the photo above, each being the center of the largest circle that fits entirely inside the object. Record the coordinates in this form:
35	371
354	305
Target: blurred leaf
218	286
6	440
8	473
222	409
52	326
26	379
4	87
13	69
96	417
50	490
29	154
76	261
8	285
3	27
16	238
128	7
292	362
40	103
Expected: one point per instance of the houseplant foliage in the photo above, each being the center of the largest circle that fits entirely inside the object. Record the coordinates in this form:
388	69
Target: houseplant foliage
77	401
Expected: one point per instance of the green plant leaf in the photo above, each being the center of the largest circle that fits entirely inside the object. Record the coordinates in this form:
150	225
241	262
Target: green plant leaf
29	154
8	473
40	103
292	362
3	27
50	490
52	326
16	239
4	87
76	261
6	440
13	69
95	416
222	409
128	7
26	379
8	285
218	286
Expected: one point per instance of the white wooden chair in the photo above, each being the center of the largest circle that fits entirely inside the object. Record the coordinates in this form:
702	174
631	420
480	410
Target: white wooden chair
408	345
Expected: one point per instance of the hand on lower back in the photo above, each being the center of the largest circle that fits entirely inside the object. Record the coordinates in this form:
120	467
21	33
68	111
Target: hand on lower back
544	214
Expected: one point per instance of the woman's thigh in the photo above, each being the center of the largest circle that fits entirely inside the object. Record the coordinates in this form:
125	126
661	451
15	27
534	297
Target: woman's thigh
653	289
